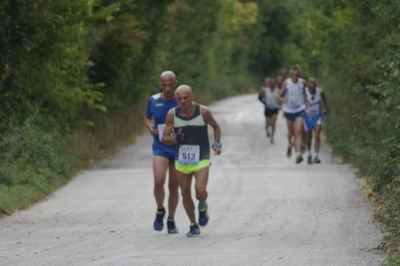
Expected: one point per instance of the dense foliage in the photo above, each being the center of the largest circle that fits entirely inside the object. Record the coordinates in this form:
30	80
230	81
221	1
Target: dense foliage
355	48
73	72
73	66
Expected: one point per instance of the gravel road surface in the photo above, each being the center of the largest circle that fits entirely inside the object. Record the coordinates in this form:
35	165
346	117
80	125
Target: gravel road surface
264	209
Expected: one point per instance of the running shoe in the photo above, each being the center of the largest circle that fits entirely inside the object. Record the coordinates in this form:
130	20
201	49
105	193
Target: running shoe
289	152
309	159
158	222
317	160
203	215
194	230
171	226
299	158
272	141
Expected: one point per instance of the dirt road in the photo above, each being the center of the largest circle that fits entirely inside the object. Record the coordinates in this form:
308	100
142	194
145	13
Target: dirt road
264	209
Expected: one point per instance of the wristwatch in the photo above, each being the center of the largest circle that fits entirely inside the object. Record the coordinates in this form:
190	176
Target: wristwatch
217	144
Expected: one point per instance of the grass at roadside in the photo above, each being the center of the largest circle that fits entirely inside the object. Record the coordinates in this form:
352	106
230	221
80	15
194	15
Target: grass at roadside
35	162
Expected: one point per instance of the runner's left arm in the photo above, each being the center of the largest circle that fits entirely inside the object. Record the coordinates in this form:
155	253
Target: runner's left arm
169	126
209	119
325	103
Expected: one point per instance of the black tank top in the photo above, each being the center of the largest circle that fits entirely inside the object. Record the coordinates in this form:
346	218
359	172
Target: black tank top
194	133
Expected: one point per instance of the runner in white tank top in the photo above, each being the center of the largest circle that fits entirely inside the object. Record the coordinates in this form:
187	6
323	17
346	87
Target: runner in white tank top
317	107
271	95
295	95
292	96
268	95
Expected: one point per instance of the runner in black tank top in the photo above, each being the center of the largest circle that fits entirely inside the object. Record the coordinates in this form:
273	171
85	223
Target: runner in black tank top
194	130
189	121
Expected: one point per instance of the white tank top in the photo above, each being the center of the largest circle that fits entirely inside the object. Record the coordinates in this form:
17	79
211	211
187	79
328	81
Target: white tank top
314	109
295	95
270	98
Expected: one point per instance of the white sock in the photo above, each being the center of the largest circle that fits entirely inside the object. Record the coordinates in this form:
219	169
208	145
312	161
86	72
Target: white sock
316	155
298	153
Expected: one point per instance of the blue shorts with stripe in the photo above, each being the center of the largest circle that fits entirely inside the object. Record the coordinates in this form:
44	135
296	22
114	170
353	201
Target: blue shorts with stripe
312	121
165	151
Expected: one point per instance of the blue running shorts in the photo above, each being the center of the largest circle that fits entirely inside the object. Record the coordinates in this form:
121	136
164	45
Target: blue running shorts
311	122
164	152
293	116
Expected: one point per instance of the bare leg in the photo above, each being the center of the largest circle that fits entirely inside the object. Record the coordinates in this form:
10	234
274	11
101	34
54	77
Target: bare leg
298	133
201	185
290	131
185	183
317	140
173	187
269	122
309	140
160	166
273	125
267	125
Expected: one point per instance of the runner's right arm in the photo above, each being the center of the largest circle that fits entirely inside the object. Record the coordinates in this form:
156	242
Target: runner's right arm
281	98
261	96
169	126
148	121
148	118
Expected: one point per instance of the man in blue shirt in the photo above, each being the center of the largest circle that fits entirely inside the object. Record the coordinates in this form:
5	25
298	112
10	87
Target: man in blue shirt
157	108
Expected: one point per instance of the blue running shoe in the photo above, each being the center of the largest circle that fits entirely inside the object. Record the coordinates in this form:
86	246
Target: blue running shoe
171	226
203	215
194	230
158	222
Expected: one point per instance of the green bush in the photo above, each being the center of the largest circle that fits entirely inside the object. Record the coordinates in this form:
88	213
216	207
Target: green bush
32	163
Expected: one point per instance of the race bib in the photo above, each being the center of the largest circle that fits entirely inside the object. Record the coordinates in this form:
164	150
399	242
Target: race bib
293	105
189	154
160	129
293	101
313	110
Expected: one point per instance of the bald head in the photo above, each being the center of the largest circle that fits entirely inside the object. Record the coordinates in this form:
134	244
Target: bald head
184	88
167	84
184	96
168	74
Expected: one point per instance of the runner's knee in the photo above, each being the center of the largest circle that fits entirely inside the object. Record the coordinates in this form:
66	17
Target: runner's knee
186	193
298	132
200	192
159	181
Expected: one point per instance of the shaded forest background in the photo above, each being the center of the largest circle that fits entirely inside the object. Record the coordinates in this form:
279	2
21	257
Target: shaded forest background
74	76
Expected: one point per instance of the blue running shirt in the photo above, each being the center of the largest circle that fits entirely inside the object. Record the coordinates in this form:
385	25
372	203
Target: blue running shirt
157	108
